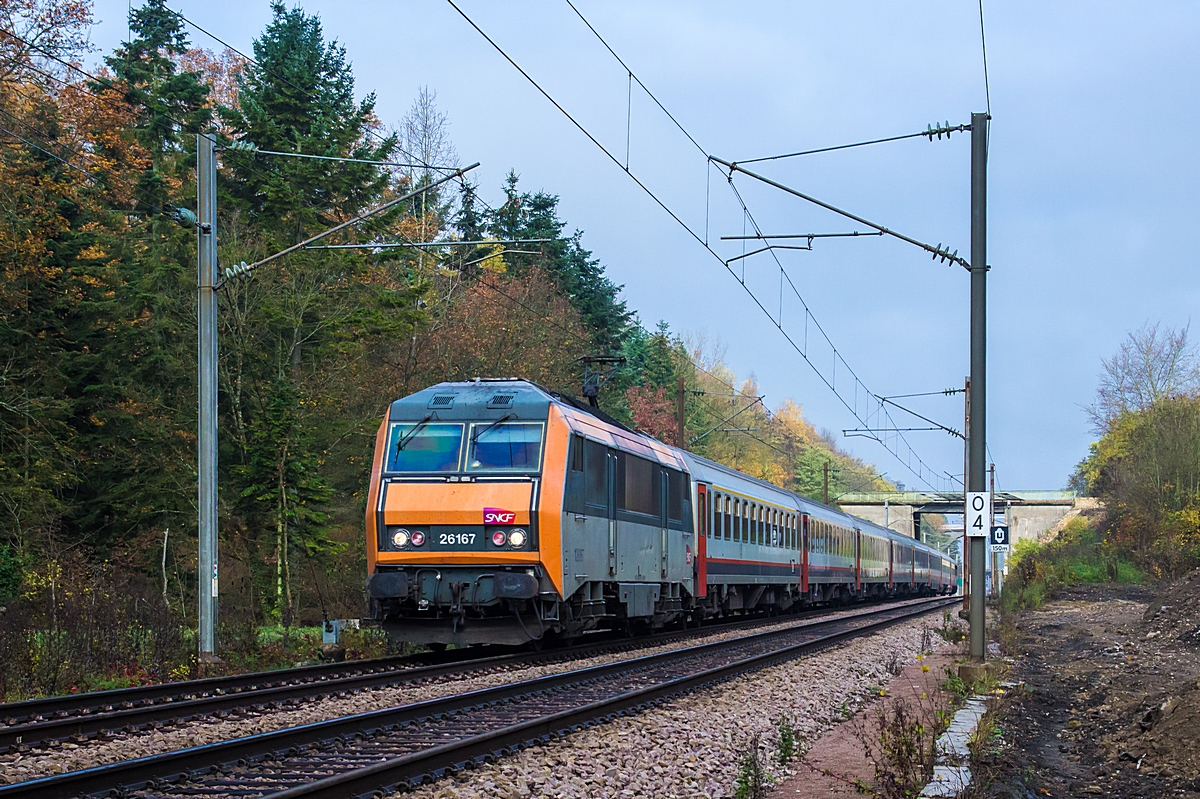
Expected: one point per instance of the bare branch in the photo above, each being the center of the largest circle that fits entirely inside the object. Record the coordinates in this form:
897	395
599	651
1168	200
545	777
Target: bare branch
1151	364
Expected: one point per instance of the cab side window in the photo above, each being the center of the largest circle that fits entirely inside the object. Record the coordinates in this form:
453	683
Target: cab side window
595	469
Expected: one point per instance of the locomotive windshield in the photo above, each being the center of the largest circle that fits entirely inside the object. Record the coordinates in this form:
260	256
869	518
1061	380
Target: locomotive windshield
424	447
505	447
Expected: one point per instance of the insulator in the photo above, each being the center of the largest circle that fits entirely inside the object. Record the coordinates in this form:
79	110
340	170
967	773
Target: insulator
184	216
236	271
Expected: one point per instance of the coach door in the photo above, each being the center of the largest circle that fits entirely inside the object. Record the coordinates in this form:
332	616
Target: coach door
663	550
858	560
612	512
891	564
700	568
804	553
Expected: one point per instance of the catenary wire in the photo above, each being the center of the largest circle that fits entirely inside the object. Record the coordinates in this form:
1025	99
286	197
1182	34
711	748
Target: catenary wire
987	91
858	382
633	76
462	179
830	149
670	213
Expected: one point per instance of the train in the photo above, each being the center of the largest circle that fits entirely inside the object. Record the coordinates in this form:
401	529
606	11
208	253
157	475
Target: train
501	512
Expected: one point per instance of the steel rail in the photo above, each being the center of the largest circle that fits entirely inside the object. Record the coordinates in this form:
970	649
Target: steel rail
159	770
412	770
80	716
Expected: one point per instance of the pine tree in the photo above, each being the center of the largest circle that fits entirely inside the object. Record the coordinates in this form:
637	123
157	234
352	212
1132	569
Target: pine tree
170	103
580	276
299	97
286	491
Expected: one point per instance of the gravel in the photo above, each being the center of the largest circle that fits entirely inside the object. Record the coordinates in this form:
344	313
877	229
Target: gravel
691	747
58	758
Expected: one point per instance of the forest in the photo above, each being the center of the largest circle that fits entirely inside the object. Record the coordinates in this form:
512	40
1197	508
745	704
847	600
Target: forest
98	334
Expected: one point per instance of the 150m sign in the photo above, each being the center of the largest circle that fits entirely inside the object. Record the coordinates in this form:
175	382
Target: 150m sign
979	514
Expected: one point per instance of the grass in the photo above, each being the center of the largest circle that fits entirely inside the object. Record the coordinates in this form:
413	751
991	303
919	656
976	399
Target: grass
1077	556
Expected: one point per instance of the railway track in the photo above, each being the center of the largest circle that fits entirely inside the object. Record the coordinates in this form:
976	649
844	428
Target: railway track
78	718
403	746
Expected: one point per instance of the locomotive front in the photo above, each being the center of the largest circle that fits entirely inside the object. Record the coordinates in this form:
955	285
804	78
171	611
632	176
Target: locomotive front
463	517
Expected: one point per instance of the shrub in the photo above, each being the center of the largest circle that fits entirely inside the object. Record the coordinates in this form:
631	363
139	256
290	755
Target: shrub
786	743
1077	555
752	778
902	747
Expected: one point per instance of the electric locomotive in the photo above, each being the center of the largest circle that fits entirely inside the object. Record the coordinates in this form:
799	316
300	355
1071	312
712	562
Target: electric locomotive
502	512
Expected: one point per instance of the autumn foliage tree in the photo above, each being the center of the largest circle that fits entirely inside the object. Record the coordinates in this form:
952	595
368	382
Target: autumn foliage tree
98	327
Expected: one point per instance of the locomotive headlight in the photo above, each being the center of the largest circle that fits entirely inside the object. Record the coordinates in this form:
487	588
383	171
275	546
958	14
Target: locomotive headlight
418	538
400	538
499	538
517	537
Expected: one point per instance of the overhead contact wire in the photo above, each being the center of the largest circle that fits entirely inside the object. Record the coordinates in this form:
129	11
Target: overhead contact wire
662	205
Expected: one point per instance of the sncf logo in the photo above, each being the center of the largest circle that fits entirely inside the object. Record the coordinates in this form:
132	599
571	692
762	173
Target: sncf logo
498	516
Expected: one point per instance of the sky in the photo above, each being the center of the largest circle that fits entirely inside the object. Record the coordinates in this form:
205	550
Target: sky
1091	178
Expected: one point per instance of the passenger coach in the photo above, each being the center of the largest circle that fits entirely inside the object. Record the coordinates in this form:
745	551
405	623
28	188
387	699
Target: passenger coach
501	512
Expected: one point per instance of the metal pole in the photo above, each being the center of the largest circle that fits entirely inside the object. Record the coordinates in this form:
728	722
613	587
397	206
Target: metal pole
992	556
977	467
680	416
206	300
964	552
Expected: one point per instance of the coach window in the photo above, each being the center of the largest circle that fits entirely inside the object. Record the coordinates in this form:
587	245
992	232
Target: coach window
727	524
747	530
714	514
737	519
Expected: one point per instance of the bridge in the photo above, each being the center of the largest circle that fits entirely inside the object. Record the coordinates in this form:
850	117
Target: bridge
1030	514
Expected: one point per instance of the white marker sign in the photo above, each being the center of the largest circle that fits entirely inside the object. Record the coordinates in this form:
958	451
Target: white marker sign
979	514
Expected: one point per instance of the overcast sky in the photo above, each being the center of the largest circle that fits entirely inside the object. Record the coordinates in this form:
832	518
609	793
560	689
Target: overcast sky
1091	196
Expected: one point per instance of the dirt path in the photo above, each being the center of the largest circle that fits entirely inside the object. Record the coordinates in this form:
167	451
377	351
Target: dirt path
1111	707
838	760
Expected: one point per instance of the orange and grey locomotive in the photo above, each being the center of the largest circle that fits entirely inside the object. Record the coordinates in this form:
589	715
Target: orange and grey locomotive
502	512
